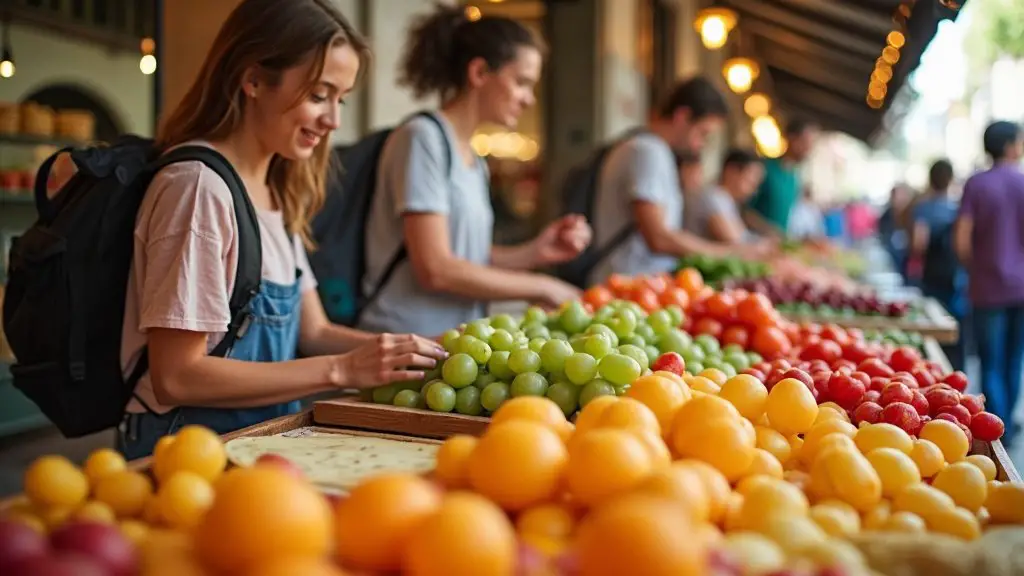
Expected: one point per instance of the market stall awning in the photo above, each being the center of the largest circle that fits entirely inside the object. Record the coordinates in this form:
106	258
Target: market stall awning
818	55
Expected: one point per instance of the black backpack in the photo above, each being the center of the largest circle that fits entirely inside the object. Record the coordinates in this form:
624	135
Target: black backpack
579	196
68	278
339	229
941	266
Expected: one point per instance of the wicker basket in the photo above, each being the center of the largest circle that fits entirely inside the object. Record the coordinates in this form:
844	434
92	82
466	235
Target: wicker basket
76	124
37	120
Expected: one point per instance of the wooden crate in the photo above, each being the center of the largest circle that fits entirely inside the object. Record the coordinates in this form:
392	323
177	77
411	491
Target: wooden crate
936	322
359	414
1005	470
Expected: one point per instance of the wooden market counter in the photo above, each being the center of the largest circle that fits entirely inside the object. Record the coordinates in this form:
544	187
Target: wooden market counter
933	322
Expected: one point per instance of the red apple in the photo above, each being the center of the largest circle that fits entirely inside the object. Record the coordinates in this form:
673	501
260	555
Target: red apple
987	426
896	392
923	376
670	362
878	383
870	412
902	415
797	374
845	390
940	397
755	373
99	542
19	543
956	380
907	378
961	413
974	404
59	564
920	403
875	367
904	359
821	380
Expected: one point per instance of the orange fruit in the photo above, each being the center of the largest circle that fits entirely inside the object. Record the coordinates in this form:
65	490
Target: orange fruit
924	500
715	375
183	499
1005	503
747	394
703	385
604	463
813	438
55	481
836	518
791	407
965	483
135	531
376	521
895	469
452	463
722	442
680	484
845	474
985	464
194	449
948	437
264	513
883	435
690	279
517	464
630	414
466	536
928	457
552	521
103	462
298	565
591	413
94	511
770	497
764	464
715	486
958	522
534	408
772	442
126	492
661	395
640	535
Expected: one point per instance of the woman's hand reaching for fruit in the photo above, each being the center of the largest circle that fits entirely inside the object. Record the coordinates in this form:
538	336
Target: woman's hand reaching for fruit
562	240
552	292
388	358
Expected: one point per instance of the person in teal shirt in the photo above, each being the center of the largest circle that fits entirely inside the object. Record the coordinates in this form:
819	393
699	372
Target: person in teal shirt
768	211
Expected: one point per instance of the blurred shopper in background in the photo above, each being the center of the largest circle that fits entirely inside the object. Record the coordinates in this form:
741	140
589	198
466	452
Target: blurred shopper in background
931	250
989	238
807	222
714	214
892	228
432	192
768	212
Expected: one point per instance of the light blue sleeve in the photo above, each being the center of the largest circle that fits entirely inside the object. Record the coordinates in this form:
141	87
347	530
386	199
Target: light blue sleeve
413	169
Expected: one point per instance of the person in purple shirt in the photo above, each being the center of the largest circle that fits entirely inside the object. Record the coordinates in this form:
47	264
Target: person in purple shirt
989	240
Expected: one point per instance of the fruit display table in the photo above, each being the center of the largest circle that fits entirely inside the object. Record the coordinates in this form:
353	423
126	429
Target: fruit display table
931	321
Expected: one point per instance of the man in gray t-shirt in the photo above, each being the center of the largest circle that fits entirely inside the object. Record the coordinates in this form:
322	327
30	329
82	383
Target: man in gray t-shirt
714	213
638	186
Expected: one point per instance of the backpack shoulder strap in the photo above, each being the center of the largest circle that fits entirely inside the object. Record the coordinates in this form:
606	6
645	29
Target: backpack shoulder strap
250	248
432	116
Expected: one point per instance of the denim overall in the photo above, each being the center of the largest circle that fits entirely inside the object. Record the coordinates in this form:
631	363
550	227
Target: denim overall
272	336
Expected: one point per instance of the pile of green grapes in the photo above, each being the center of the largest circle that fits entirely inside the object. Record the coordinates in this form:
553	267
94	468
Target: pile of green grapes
570	356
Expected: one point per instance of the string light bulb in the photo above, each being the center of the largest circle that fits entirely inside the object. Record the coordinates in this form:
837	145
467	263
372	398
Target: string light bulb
757	104
714	25
7	67
147	64
740	74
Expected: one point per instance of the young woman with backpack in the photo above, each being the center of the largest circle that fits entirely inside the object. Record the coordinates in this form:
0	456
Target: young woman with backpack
266	99
432	190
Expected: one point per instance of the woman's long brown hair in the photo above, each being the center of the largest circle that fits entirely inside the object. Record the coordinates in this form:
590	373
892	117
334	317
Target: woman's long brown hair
274	35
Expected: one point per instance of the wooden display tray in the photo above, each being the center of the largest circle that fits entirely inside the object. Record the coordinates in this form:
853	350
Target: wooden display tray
994	450
359	414
935	323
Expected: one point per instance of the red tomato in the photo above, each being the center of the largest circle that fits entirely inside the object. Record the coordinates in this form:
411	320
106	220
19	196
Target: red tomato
722	306
770	341
904	359
875	367
833	332
708	325
736	334
646	298
674	295
957	380
756	310
598	296
826	350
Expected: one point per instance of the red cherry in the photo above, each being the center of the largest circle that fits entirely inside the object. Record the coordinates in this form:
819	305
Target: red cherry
962	415
875	367
904	358
902	415
845	390
798	374
896	392
869	412
940	397
974	404
920	403
670	362
755	373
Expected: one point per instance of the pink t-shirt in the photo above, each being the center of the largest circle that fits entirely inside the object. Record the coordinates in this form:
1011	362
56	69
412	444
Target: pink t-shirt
185	258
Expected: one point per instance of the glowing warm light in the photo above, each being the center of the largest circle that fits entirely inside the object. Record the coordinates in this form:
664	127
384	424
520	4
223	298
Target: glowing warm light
147	46
877	91
773	149
6	69
147	64
882	75
874	103
505	145
740	74
757	104
896	39
890	55
714	25
473	13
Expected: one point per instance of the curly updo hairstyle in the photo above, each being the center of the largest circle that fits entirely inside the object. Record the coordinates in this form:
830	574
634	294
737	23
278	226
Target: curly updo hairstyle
443	42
